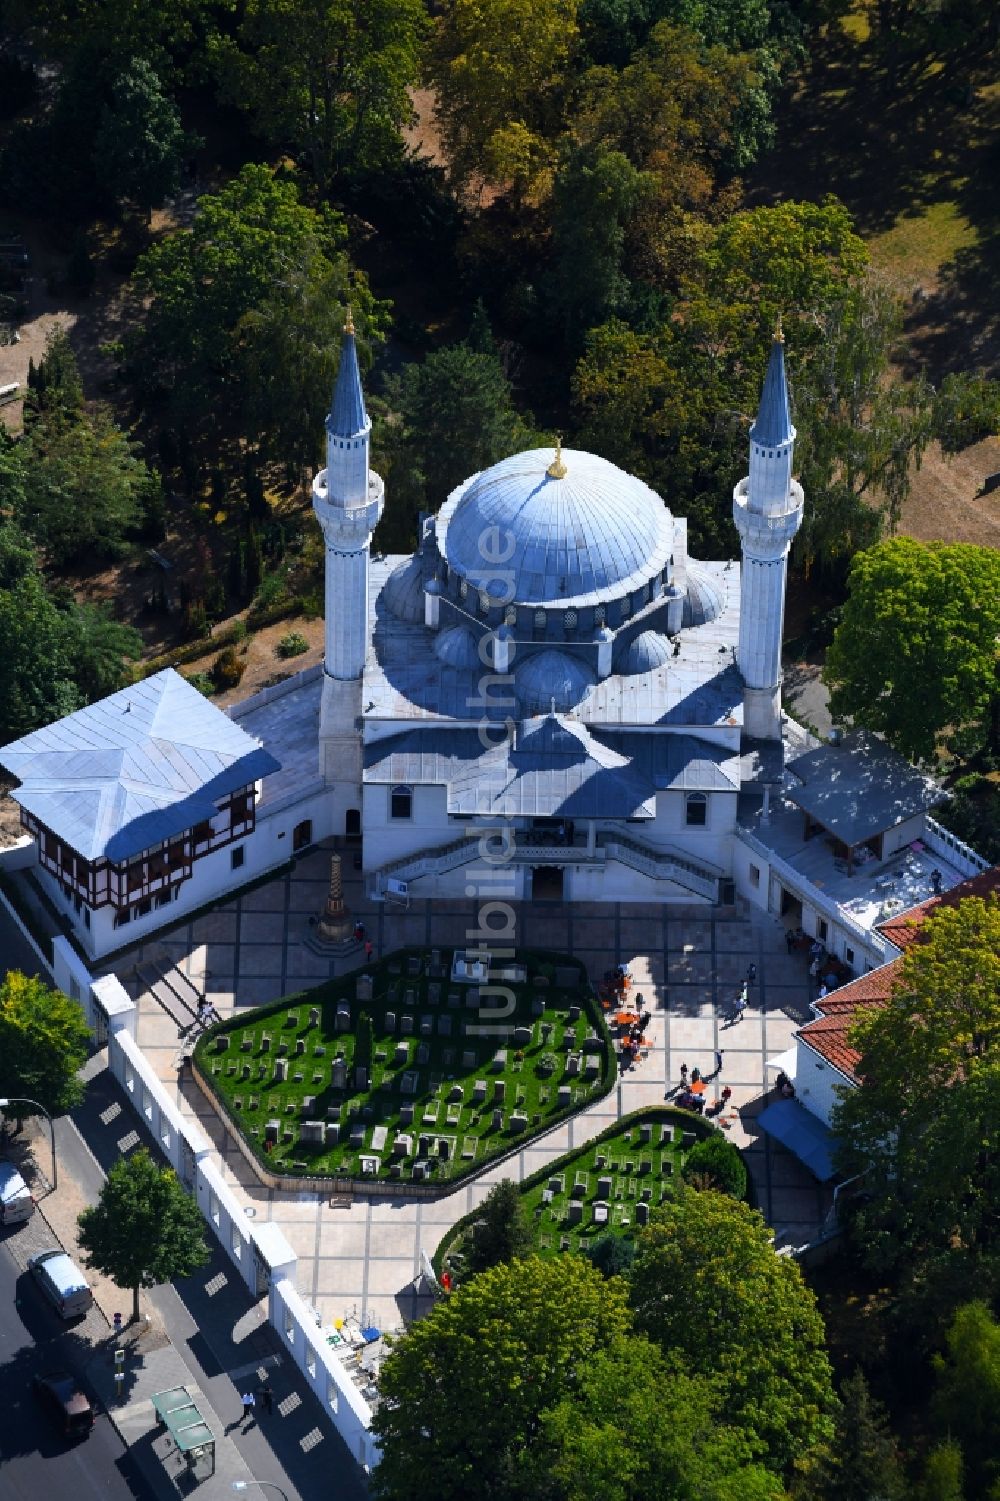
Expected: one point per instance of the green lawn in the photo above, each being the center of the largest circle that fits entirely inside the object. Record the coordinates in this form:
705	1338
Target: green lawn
448	1089
631	1164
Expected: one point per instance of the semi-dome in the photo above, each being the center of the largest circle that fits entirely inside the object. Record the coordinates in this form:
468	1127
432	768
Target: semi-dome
549	676
458	647
703	601
537	532
404	590
647	652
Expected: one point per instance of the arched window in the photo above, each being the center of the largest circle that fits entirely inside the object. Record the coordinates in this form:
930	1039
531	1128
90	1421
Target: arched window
626	606
569	620
484	602
600	615
539	620
401	802
510	615
463	588
696	808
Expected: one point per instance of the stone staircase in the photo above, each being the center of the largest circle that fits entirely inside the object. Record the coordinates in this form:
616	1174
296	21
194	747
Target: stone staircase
174	992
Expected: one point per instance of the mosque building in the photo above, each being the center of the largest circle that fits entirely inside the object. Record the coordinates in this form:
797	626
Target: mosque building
549	700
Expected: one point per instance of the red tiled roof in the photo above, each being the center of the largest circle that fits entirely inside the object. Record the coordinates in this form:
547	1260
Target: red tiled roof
904	928
827	1035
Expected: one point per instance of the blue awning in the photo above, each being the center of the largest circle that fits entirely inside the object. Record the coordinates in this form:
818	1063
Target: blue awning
812	1142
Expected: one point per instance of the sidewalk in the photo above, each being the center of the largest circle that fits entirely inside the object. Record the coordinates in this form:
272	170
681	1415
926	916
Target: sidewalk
204	1333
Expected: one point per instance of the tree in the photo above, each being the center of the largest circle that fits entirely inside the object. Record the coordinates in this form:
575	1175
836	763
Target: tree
463	1391
862	1463
37	668
916	649
705	1267
716	1163
943	1474
144	1228
44	1042
922	1125
501	1232
448	417
612	1255
499	74
595	194
140	143
85	487
254	257
56	390
967	1400
328	78
674	1448
101	648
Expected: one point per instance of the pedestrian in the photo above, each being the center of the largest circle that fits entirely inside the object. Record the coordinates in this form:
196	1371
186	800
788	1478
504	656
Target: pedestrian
936	881
789	939
359	932
725	1097
267	1397
814	968
684	1075
739	1008
718	1062
695	1075
248	1406
815	949
369	950
751	974
822	993
745	993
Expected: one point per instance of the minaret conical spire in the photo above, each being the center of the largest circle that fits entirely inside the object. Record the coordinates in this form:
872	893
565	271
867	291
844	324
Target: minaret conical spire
348	417
774	418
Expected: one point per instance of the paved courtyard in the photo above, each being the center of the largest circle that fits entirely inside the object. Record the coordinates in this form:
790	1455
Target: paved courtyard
687	963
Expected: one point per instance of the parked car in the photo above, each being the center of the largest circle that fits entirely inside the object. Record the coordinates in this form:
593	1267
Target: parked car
62	1282
60	1395
16	1203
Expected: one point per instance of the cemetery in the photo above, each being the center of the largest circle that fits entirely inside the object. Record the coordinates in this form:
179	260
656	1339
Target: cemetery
610	1185
420	1069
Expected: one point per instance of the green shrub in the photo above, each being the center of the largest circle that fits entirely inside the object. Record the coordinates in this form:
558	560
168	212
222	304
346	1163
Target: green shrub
716	1163
203	682
227	670
612	1255
292	645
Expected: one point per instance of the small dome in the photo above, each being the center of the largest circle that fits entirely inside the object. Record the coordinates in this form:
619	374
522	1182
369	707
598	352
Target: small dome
434	586
458	647
604	634
647	652
404	590
549	675
704	597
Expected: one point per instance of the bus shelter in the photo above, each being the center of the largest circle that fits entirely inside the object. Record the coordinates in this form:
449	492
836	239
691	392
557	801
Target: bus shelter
193	1440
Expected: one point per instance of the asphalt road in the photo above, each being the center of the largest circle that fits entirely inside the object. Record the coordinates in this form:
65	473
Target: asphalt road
35	1460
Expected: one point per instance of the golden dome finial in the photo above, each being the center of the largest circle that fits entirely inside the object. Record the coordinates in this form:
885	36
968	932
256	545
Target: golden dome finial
557	469
349	324
779	335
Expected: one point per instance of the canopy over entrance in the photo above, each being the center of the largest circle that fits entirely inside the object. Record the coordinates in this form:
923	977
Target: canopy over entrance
805	1136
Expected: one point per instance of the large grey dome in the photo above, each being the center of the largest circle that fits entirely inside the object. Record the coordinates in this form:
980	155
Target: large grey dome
646	653
404	590
586	537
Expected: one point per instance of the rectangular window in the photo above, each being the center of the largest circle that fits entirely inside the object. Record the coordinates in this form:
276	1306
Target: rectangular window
822	930
755	875
237	857
849	955
86	917
144	908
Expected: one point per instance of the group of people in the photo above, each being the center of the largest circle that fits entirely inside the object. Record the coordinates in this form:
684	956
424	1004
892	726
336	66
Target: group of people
361	936
744	996
631	1040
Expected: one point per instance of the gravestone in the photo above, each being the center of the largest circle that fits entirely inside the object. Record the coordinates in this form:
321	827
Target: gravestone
499	1090
642	1213
646	1132
265	1044
426	1026
423	1145
222	1042
557	1184
592	1043
410	1082
604	1188
564	1096
572	1065
454	1000
444	1149
456	1093
444	1026
271	1130
496	1123
537	1006
591	1068
280	1070
364	987
518	1122
600	1213
282	1049
479	1092
574	1013
401	1054
291	1018
575	1210
245	1071
433	995
409	998
314	1015
645	1165
390	1021
499	1062
423	1055
406	1115
311	1133
357	1136
361	1080
300	1046
522	1036
343	1021
332	1133
420	1171
370	1166
406	1026
413	964
246	1044
378	1138
468	1059
402	1146
338	1074
308	1101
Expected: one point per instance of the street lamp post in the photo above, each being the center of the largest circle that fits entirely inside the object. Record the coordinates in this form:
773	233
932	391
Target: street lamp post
22	1100
242	1485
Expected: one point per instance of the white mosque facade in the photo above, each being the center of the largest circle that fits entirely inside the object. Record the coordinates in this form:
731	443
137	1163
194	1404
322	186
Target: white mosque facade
549	700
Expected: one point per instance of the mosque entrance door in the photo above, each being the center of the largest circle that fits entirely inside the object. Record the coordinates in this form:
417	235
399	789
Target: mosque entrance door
547	883
352	826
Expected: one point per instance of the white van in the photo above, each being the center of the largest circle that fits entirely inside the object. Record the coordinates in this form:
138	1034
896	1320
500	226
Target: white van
62	1282
16	1203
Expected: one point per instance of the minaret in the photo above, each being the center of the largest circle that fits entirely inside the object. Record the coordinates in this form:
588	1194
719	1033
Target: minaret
767	510
347	499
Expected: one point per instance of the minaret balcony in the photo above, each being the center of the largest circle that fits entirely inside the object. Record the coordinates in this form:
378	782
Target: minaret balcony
347	528
768	533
